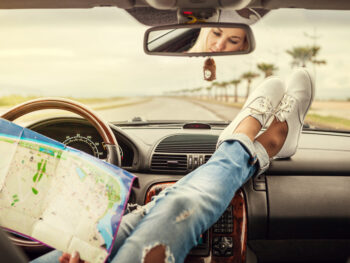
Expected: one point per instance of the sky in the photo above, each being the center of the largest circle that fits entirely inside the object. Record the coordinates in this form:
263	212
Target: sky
99	53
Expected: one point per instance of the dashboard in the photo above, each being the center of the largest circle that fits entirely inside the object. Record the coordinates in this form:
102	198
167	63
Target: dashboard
300	206
81	135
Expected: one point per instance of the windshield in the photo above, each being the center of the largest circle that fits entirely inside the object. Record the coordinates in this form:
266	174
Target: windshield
96	56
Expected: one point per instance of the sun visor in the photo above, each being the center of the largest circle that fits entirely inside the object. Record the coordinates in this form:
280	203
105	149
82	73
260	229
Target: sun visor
153	17
248	16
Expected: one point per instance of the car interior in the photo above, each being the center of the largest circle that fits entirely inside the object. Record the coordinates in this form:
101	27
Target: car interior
297	211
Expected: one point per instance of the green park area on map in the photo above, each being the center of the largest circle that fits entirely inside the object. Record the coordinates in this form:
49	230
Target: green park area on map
58	197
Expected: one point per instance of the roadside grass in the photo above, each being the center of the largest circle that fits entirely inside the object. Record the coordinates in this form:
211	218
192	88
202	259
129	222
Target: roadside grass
100	105
328	122
13	100
331	122
316	120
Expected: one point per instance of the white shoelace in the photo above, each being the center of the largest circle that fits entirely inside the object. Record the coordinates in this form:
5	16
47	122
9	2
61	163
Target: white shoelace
262	106
285	107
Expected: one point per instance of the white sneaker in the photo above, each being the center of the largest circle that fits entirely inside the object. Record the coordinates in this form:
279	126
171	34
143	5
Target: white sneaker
261	105
294	107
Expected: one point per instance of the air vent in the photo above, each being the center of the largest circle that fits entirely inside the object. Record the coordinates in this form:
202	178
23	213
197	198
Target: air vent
169	163
188	143
207	157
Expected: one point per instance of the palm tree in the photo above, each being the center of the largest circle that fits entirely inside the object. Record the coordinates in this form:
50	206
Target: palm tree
249	76
305	54
198	91
215	85
267	69
209	88
300	56
186	92
235	83
219	90
223	86
193	91
315	50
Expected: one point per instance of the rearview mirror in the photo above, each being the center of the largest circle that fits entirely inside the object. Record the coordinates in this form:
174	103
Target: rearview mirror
208	39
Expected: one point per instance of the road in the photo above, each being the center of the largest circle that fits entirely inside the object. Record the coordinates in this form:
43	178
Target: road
159	108
155	108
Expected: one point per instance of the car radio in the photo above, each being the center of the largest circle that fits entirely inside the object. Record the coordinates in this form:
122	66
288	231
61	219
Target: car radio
226	239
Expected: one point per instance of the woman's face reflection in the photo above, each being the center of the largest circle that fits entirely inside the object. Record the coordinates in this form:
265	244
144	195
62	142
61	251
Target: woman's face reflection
225	40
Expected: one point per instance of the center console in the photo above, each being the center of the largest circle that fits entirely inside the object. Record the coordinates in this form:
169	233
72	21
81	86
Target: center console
223	242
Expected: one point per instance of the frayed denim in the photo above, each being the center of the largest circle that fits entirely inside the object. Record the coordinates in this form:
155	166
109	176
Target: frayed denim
178	216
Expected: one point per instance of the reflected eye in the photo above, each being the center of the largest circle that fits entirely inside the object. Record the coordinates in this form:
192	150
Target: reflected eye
217	33
233	41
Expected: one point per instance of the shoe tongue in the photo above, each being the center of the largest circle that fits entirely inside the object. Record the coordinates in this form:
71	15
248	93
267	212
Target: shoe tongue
261	109
286	106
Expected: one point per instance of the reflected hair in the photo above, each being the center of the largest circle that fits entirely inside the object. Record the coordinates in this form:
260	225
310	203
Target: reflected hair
201	42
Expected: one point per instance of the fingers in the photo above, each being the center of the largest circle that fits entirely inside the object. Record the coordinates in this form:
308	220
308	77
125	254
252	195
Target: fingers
75	258
64	258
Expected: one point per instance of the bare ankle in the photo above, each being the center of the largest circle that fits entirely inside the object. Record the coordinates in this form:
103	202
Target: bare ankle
274	137
249	126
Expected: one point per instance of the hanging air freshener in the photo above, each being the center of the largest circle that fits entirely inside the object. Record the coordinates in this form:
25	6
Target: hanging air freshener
209	69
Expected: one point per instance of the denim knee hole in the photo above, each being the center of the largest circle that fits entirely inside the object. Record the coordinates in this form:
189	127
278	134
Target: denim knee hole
157	253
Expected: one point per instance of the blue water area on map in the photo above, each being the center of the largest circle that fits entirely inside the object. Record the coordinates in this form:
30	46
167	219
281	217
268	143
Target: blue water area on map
105	229
108	225
48	151
80	172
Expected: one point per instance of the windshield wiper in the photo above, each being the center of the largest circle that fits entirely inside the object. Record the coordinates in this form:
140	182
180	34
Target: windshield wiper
174	123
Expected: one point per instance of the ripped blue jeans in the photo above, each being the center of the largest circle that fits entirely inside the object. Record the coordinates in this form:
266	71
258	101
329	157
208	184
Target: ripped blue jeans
181	213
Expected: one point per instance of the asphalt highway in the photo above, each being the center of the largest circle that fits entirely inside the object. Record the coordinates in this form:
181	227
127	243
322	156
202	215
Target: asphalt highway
161	108
153	108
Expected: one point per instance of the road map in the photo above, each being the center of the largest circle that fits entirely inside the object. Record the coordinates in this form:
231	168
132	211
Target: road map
59	196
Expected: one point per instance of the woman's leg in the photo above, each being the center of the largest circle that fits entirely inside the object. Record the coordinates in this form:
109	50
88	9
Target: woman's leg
173	224
184	210
179	214
129	222
188	208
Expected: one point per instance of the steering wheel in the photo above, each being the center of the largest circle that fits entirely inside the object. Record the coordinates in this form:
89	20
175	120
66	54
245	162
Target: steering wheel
113	153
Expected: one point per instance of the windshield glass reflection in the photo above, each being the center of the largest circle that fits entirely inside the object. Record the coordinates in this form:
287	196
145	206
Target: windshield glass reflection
96	57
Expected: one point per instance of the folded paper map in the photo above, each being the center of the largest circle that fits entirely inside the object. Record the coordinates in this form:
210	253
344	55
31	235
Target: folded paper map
59	196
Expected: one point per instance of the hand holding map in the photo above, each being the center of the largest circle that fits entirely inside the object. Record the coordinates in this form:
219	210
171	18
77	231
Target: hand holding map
59	196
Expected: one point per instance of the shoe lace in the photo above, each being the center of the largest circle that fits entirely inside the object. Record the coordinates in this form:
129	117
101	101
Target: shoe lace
285	107
263	106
